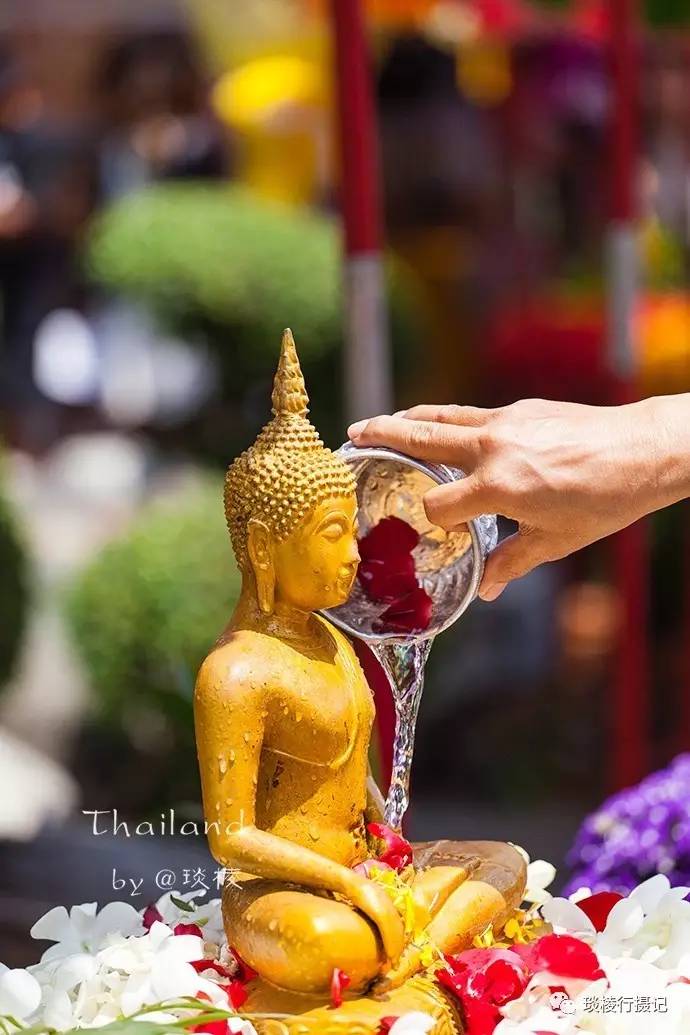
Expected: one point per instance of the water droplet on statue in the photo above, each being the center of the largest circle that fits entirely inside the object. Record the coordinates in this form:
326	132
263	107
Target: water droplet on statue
272	925
231	757
303	809
222	765
298	716
246	737
314	833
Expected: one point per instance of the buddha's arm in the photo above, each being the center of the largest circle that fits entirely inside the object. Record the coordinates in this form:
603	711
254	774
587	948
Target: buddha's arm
229	719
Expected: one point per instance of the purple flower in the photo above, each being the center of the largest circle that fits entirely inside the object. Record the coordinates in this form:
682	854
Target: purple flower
636	833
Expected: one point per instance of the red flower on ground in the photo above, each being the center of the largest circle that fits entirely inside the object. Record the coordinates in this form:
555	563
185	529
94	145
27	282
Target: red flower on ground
237	993
386	1024
244	971
188	929
597	907
396	852
484	980
561	955
339	982
411	613
387	540
213	1027
201	965
151	916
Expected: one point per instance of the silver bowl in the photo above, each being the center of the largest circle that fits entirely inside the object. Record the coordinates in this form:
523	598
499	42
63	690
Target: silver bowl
449	565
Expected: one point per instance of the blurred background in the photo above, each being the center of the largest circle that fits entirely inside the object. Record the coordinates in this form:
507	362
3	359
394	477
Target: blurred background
179	180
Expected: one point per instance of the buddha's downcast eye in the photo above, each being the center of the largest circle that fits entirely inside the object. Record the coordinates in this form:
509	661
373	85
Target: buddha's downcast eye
333	530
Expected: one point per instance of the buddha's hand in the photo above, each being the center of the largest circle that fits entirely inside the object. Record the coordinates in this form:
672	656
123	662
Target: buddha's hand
373	901
567	474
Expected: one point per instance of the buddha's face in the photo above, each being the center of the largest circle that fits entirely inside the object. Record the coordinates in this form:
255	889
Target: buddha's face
316	565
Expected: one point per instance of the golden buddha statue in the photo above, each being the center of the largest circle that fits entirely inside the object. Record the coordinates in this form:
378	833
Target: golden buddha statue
283	719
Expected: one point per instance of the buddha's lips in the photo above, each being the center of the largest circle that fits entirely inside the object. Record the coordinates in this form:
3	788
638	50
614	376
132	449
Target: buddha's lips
387	575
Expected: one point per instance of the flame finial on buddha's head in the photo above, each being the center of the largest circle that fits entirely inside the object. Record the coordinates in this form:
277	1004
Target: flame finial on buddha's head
288	471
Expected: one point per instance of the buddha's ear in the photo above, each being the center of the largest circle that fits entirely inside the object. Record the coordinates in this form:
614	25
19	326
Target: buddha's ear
260	550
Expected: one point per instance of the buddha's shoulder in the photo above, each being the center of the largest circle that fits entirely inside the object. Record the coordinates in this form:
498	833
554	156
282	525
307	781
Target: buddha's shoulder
243	659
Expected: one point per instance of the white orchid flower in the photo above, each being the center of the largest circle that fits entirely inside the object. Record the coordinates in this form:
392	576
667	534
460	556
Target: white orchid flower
157	968
84	929
540	875
413	1023
20	993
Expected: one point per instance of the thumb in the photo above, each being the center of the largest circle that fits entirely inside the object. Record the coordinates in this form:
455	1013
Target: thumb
514	557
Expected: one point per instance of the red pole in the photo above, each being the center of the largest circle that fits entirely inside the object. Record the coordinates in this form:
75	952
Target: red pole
629	720
368	382
367	366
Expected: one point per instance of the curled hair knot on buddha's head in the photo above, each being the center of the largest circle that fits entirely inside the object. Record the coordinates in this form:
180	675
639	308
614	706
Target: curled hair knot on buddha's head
288	471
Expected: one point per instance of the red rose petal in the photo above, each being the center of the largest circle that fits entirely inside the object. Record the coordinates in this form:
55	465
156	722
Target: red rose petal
339	982
411	613
597	907
213	1027
245	972
386	1024
396	851
390	538
188	929
151	916
562	955
237	993
387	580
201	965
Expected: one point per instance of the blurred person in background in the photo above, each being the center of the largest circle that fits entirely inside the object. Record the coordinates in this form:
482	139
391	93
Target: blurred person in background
155	119
47	192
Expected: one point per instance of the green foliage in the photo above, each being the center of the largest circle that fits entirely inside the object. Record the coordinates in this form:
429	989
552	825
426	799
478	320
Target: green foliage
227	270
149	608
215	256
13	591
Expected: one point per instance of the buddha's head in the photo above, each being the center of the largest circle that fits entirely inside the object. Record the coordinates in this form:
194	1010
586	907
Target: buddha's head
291	507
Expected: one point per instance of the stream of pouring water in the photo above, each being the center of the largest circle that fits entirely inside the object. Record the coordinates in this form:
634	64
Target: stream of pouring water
404	665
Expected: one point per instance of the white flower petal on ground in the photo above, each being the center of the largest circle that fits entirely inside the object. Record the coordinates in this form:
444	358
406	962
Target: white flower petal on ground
413	1023
240	1027
565	916
20	993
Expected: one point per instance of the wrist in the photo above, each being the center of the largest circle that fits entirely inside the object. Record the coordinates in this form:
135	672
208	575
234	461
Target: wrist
668	420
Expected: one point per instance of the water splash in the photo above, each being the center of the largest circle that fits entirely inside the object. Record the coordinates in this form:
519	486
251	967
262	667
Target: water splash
404	665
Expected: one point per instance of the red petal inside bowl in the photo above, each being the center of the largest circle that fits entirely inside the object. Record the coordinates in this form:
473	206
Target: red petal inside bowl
389	580
411	613
390	538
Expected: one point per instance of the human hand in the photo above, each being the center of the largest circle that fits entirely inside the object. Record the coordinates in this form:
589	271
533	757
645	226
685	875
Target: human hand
568	474
373	901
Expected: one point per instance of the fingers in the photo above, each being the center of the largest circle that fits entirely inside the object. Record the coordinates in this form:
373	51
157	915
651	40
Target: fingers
514	557
466	416
452	504
436	442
